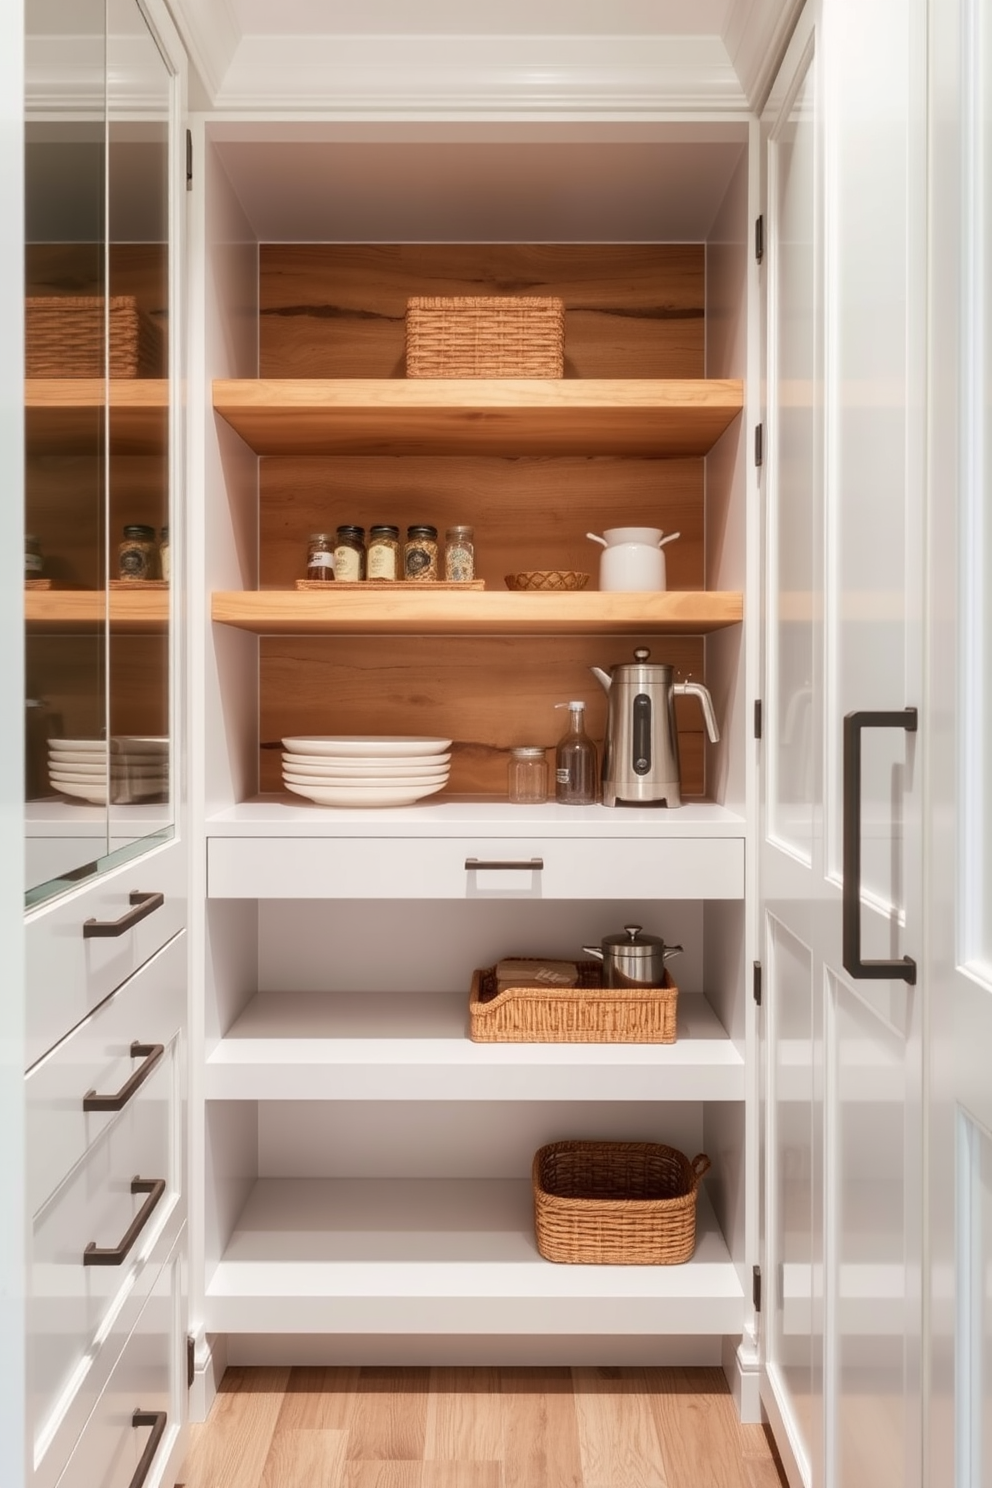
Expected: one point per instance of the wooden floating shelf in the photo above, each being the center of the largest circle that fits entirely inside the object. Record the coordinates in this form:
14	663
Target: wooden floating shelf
70	610
413	612
481	416
64	415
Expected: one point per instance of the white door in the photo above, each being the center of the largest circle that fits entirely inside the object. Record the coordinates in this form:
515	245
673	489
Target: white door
959	773
843	504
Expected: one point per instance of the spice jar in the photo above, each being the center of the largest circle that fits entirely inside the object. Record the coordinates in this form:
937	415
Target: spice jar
33	560
459	555
527	776
384	553
420	553
320	557
164	561
349	555
137	555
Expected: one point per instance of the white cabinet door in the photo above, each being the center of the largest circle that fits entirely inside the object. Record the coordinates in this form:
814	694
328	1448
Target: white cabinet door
845	282
959	775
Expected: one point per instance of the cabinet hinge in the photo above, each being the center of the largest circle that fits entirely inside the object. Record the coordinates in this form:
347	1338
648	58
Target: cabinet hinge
190	1361
756	982
759	238
757	718
189	160
756	1288
759	444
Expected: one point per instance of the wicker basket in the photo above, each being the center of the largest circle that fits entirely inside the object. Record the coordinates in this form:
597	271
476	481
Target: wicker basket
615	1203
587	1014
485	336
64	337
547	580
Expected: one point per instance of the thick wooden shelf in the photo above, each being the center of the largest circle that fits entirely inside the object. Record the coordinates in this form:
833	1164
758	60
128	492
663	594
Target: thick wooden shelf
81	610
63	415
407	612
482	416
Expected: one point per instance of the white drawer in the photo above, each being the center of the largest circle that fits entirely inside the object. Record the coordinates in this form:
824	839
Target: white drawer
68	973
142	1405
79	1313
96	1060
440	868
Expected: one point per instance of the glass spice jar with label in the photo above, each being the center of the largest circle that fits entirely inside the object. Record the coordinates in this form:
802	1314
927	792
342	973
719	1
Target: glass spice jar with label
459	555
320	557
137	555
420	554
349	555
384	552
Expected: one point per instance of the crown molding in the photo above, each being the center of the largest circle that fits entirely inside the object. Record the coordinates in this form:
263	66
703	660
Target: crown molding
211	36
756	37
479	76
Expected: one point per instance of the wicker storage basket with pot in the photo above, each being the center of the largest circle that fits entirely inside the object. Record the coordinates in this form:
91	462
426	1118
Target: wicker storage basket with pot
485	336
588	1013
616	1203
64	337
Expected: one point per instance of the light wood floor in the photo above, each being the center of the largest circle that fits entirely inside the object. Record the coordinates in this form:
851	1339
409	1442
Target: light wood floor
477	1428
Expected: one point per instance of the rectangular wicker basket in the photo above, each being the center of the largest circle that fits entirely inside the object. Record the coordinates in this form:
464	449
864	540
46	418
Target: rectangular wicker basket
587	1014
64	337
615	1203
485	336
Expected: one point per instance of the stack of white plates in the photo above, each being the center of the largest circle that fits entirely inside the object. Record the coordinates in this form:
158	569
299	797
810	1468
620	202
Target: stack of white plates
378	770
136	768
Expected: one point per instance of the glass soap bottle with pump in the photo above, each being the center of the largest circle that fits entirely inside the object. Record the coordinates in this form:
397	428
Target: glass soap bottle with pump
575	761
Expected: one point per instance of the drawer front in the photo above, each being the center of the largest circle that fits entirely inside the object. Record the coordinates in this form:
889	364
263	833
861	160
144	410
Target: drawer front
142	1404
96	1059
69	972
79	1313
443	868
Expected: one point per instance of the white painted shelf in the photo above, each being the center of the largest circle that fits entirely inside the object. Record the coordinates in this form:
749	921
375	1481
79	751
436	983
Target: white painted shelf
434	1256
415	1046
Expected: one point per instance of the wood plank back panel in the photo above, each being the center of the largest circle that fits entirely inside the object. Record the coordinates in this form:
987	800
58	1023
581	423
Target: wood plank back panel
338	310
488	694
526	513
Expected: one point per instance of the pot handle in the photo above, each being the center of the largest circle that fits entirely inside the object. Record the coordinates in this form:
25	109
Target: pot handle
671	951
593	537
596	951
700	1165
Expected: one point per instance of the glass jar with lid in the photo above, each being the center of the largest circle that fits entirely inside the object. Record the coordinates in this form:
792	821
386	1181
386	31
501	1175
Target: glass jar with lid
34	562
527	776
384	552
320	557
349	555
420	554
459	555
137	555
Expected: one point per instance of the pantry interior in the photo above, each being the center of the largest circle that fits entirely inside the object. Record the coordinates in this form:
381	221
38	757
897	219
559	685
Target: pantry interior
360	1170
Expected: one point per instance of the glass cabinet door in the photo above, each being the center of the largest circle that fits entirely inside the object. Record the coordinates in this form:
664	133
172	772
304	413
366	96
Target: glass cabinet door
100	470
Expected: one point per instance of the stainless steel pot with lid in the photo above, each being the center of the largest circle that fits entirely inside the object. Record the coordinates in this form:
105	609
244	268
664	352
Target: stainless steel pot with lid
632	959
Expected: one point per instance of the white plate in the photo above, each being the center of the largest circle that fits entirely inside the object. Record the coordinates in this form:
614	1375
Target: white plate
343	795
372	766
78	772
362	774
74	757
96	793
359	746
344	782
87	746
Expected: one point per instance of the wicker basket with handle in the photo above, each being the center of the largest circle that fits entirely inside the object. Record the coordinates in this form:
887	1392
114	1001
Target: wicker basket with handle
64	337
485	336
616	1203
587	1014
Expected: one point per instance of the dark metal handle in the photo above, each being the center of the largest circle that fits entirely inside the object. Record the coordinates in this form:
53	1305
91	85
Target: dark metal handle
113	1255
144	904
151	1054
157	1420
474	864
903	969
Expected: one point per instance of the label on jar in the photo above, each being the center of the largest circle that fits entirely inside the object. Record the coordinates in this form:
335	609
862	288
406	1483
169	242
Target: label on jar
382	561
134	563
419	562
459	562
33	564
347	565
320	560
563	776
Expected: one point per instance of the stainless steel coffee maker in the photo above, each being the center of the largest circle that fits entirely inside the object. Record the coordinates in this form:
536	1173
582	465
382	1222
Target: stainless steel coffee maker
641	749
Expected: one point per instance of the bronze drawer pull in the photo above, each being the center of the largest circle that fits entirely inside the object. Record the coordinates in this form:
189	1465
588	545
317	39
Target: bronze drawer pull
474	864
157	1421
113	1255
150	1054
144	904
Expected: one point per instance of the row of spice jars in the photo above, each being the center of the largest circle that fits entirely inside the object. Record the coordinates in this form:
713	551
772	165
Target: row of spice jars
344	556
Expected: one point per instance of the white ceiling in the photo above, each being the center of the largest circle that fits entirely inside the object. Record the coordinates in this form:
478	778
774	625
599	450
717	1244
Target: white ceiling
481	17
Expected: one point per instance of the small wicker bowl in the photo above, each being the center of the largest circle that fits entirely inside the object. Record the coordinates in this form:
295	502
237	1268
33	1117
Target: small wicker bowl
548	580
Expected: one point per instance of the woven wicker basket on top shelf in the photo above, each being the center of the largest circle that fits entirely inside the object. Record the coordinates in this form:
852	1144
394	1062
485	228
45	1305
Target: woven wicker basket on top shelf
485	336
64	337
616	1203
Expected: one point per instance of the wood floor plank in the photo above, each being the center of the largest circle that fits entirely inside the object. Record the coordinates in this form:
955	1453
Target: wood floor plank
540	1436
697	1427
306	1459
229	1451
389	1422
618	1439
464	1416
319	1400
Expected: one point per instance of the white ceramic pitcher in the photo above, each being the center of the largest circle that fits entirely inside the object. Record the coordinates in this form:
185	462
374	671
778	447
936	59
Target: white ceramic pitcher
632	558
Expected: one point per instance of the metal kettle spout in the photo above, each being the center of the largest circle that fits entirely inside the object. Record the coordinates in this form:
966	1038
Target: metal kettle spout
603	678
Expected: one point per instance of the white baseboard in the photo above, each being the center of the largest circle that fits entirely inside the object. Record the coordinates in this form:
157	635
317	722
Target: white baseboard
742	1367
210	1362
287	1350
